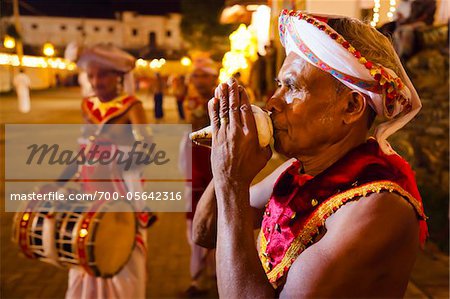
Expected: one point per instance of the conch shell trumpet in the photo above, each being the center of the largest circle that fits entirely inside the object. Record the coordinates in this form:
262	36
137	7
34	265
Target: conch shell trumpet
263	126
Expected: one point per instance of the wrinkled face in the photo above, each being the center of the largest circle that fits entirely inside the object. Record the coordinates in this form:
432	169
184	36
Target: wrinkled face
306	110
204	82
103	81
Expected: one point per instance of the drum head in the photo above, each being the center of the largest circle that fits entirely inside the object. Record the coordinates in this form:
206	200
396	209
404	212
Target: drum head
114	240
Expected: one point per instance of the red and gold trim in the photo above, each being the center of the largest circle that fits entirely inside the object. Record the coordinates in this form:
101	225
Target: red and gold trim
84	237
26	219
91	107
317	219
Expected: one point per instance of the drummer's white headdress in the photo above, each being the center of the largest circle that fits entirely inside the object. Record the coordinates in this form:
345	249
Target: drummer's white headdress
108	56
314	40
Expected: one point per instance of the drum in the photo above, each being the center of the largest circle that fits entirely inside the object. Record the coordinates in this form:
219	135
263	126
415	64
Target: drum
34	231
95	239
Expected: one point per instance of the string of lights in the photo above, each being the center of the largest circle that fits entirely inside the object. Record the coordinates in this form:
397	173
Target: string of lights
376	13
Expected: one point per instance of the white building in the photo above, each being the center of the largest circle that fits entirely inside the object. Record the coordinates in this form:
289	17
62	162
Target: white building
129	31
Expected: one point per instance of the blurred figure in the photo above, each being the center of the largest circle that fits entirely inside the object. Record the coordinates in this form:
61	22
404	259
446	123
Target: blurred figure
158	97
421	14
83	81
108	70
203	80
257	80
442	13
179	90
270	66
22	84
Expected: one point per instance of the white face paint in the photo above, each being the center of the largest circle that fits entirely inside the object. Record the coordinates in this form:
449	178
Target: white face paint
305	110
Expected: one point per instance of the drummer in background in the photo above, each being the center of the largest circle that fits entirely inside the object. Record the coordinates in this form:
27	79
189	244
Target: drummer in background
109	72
202	82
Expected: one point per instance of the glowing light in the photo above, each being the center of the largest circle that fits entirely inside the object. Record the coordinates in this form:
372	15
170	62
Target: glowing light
37	61
186	61
232	62
9	42
25	217
390	14
162	61
243	40
141	62
155	64
83	232
252	7
261	27
243	52
48	49
376	13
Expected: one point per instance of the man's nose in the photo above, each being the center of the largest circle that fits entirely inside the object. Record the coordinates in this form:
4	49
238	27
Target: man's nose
275	103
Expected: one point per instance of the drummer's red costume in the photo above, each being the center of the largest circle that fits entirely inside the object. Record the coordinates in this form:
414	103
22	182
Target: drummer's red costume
130	281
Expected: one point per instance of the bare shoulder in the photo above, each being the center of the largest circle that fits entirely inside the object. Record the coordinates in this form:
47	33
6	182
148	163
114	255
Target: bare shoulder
368	249
374	212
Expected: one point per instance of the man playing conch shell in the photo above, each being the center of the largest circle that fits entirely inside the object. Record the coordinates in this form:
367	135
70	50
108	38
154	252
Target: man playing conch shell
343	218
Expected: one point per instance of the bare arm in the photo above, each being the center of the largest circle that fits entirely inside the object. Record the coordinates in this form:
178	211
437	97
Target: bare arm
239	270
368	251
234	144
205	218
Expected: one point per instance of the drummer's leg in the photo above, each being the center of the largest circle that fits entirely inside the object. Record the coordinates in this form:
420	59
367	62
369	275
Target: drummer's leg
130	282
82	285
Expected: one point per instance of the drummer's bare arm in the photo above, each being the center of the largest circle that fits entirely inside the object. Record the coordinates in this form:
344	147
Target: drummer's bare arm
205	219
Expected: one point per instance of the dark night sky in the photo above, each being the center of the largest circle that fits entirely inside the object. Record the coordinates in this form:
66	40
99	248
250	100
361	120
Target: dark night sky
90	8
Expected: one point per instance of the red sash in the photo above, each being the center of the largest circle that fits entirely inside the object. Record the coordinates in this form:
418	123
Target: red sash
300	204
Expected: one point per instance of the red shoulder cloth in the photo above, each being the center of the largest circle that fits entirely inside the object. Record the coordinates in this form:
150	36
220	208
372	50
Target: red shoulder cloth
300	204
100	113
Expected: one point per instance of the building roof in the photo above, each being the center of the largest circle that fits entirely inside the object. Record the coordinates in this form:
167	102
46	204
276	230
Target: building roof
103	9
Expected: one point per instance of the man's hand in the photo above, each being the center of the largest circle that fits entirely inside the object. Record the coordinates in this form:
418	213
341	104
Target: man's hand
236	158
236	155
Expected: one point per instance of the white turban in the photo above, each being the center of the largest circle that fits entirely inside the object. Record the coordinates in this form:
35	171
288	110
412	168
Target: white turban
314	40
206	65
110	57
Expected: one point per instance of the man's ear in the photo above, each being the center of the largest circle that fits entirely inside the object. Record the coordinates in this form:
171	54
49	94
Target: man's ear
356	105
